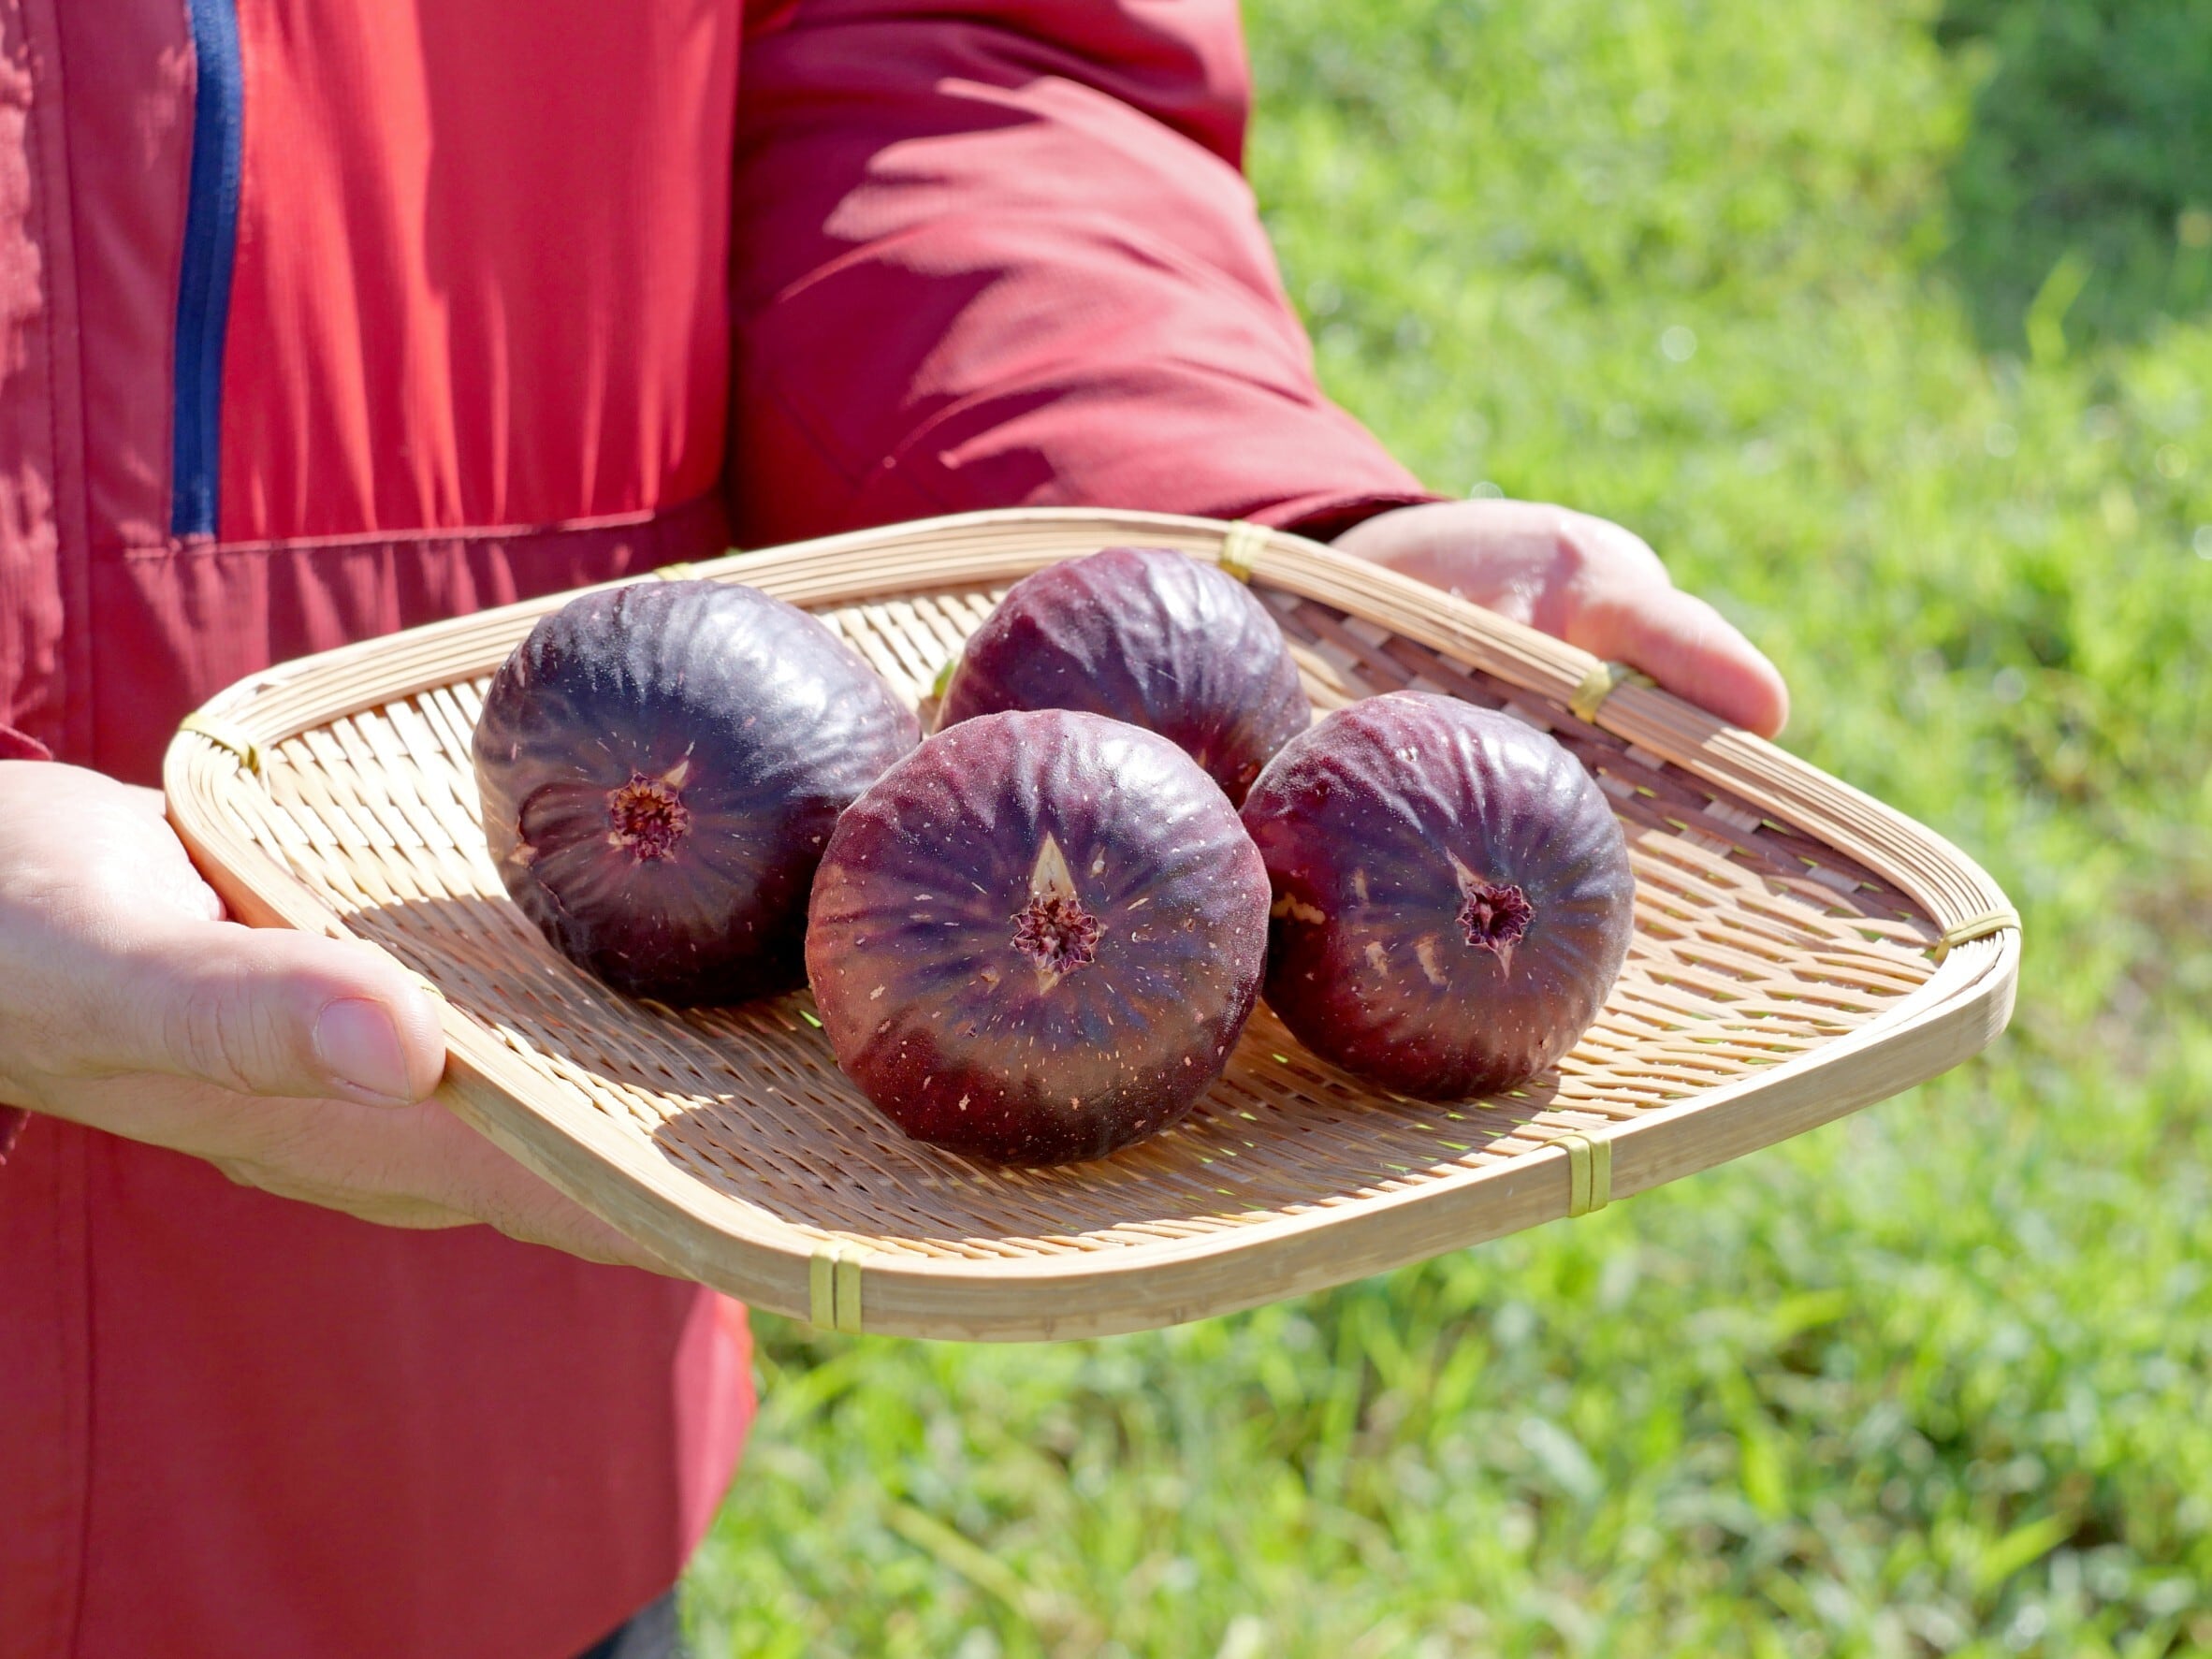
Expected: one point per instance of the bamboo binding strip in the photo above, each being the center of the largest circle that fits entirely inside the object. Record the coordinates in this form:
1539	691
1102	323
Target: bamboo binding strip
1586	699
1801	949
1590	1172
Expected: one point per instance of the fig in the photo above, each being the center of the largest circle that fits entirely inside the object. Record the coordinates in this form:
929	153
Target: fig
1038	936
1452	898
1148	636
660	767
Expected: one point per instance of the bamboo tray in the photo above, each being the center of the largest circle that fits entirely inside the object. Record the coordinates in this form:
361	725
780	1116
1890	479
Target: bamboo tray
1801	950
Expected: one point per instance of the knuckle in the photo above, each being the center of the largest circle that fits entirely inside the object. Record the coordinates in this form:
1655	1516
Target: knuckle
218	1034
1610	554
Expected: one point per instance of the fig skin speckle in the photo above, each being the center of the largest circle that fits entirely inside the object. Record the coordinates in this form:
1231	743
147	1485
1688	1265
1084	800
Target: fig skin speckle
661	767
1146	636
1452	898
1037	938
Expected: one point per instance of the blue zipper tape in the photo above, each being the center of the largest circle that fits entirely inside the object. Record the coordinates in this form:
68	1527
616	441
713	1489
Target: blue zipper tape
203	290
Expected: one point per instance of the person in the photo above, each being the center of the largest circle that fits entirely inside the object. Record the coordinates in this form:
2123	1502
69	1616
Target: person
322	320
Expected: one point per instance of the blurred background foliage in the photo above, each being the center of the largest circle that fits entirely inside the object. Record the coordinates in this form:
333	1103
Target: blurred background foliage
2083	192
1889	325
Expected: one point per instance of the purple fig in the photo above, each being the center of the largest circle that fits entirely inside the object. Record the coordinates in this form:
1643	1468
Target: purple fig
1452	895
660	767
1148	636
1038	936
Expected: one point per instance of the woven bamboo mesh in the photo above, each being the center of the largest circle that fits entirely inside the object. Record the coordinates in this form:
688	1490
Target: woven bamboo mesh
1800	950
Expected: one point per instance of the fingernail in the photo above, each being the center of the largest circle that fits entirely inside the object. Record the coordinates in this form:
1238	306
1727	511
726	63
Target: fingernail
360	1046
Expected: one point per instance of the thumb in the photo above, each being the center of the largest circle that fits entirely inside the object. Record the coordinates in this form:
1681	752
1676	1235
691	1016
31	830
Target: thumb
273	1012
1689	647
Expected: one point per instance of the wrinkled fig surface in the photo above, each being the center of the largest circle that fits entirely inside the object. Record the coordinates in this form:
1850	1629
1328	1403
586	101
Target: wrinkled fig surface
660	767
1038	936
1148	636
1453	896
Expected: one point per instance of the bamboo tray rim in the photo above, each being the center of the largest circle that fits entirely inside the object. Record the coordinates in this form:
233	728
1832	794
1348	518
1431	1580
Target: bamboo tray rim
1956	1010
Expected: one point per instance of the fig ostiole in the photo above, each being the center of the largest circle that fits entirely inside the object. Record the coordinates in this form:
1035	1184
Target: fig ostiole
1037	938
1146	635
1053	930
660	767
1451	895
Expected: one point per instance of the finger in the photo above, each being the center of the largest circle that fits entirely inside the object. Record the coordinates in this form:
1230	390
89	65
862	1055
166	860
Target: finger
165	875
511	1199
1688	648
559	1224
418	1167
386	1209
475	1175
271	1011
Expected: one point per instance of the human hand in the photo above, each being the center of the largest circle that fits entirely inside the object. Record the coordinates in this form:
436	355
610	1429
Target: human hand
1586	581
297	1064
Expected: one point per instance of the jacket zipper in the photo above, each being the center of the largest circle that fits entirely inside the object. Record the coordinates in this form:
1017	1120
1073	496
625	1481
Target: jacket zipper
203	289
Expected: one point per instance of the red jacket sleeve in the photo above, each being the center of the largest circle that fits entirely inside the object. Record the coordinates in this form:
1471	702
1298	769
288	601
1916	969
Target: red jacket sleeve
1001	255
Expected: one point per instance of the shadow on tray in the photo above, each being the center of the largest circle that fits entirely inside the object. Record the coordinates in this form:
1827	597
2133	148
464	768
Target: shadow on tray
749	1100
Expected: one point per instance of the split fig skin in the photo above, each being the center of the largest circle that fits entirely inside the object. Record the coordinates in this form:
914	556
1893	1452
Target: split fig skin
1452	898
661	767
1037	938
1146	636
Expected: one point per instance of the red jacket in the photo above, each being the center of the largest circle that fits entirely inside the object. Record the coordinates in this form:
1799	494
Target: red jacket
323	317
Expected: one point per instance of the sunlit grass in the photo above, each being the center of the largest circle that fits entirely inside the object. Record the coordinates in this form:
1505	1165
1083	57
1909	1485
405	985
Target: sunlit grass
1933	1380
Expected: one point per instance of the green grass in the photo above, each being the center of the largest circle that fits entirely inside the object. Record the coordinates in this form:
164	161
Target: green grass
1937	1378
